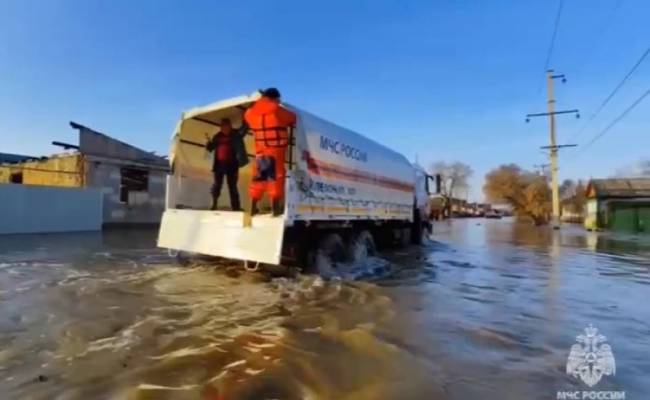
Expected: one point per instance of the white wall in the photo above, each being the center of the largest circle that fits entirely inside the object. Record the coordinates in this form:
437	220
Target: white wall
40	209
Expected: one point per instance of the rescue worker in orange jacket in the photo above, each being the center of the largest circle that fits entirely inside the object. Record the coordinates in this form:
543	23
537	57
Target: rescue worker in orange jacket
270	124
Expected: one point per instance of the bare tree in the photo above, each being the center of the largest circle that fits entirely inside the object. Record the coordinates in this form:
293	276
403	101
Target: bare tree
453	176
526	192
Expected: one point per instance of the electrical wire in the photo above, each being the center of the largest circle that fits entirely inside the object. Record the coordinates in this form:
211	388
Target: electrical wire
551	46
613	93
555	28
615	121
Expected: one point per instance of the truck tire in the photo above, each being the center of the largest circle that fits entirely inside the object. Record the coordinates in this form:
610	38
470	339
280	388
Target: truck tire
360	246
324	259
405	237
417	228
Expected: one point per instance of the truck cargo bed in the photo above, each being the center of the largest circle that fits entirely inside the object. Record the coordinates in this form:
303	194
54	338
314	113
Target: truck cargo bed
223	234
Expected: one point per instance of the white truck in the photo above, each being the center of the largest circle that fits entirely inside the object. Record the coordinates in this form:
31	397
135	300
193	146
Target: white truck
345	194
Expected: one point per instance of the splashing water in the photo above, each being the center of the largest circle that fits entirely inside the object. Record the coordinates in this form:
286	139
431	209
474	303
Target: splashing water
488	311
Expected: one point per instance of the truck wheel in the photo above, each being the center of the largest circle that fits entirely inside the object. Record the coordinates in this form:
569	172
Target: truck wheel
424	236
326	257
384	239
405	237
417	233
418	230
360	247
420	235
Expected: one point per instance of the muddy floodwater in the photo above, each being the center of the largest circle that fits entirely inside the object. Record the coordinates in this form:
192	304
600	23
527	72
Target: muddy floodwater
488	310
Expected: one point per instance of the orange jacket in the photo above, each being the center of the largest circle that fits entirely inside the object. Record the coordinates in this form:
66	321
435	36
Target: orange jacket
270	123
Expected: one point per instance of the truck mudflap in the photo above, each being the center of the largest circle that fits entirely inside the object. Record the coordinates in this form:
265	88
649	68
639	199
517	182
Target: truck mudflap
223	234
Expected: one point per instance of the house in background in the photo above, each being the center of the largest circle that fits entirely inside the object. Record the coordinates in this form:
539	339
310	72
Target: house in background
570	213
132	180
458	207
618	204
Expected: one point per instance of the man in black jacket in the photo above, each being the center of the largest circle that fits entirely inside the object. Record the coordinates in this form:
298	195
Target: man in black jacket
229	156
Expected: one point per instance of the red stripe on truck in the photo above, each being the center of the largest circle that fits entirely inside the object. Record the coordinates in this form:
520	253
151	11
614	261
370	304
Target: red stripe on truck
330	170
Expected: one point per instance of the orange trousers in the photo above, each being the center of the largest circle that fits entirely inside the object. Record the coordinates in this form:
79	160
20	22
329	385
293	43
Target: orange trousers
273	186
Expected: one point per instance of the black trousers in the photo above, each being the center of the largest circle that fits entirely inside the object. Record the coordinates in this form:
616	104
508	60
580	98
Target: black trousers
231	172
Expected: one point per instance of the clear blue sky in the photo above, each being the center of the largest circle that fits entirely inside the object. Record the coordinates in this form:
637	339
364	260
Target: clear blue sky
446	80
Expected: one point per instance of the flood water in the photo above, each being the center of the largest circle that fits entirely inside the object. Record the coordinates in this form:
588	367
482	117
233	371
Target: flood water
489	309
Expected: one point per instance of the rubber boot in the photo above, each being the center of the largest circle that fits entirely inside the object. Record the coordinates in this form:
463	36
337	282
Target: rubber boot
277	208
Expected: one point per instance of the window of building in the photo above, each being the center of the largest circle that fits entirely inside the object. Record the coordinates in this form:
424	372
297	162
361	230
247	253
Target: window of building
16	177
132	179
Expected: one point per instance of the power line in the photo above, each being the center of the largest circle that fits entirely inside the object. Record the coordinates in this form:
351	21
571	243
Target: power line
557	24
616	121
549	53
613	93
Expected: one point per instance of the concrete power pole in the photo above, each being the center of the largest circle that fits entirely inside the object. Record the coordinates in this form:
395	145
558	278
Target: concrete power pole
554	147
555	191
541	168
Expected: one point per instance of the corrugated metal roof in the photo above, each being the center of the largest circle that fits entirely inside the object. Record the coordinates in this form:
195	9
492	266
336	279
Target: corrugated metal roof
621	187
6	158
96	143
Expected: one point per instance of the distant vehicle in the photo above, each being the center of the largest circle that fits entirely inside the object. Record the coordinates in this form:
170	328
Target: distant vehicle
493	214
343	192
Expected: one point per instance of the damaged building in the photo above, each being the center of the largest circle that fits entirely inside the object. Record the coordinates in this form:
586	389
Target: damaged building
131	180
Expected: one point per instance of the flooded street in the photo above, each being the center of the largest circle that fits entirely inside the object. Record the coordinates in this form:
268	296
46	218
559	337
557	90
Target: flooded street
491	308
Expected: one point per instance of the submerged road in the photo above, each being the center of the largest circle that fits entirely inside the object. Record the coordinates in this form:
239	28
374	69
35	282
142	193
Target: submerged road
490	309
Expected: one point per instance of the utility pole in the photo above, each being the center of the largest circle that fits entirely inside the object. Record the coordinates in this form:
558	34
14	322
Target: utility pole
542	169
554	147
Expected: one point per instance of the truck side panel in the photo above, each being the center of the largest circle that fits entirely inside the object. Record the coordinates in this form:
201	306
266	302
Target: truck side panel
342	175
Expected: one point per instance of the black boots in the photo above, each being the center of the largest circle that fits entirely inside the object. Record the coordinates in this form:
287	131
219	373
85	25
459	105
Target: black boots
235	206
276	208
253	209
